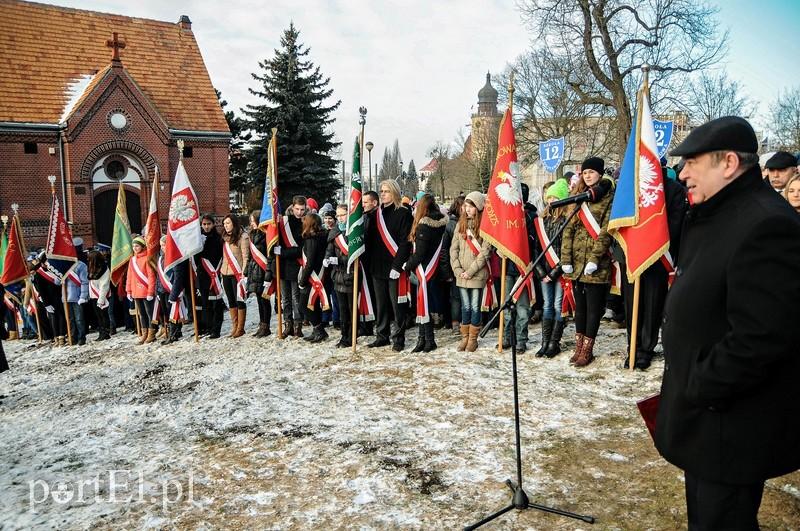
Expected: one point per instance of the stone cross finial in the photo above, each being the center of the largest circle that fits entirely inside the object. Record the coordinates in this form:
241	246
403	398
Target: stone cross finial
115	44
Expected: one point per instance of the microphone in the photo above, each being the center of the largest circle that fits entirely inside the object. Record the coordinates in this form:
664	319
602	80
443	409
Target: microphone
592	195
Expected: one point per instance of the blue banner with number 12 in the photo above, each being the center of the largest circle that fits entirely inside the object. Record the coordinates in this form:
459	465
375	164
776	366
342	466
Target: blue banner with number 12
552	153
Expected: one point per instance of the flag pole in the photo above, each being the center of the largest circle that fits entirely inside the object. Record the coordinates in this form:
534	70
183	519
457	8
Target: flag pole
362	111
36	313
502	302
191	271
354	332
64	278
634	324
277	219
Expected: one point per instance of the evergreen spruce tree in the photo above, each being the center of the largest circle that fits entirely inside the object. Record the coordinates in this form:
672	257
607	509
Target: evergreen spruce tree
411	184
237	163
295	94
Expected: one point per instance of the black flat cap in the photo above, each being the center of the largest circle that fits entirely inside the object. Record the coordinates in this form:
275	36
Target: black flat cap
781	160
729	133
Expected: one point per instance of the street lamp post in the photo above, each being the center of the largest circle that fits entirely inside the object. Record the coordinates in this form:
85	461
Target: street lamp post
369	146
400	178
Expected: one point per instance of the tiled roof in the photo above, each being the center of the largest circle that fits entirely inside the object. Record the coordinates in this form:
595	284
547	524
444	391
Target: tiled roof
45	51
432	166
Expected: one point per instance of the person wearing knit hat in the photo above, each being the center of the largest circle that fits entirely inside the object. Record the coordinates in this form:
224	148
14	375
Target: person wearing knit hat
140	286
469	259
312	204
594	163
476	199
585	260
558	190
550	277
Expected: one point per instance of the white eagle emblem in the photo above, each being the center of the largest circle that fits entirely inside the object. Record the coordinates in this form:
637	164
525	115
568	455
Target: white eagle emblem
182	209
508	190
649	191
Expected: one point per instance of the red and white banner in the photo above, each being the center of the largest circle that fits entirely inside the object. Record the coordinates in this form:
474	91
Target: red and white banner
184	237
404	282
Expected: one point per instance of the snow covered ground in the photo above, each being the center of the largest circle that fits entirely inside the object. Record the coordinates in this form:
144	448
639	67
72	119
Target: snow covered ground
269	434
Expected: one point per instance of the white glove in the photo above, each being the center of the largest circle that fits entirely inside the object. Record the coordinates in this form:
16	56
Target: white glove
333	260
566	268
277	250
326	262
81	301
149	297
50	309
130	297
394	274
590	268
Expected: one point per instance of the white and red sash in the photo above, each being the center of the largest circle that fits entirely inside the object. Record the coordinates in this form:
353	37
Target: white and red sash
489	295
73	277
48	276
669	265
593	228
261	260
286	235
9	303
215	284
140	276
424	274
544	241
238	274
365	310
403	283
317	287
589	222
94	290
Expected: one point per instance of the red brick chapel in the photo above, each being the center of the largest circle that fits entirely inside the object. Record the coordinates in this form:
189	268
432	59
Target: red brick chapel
94	99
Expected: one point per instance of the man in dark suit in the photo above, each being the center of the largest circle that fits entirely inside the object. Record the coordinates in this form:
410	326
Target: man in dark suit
730	402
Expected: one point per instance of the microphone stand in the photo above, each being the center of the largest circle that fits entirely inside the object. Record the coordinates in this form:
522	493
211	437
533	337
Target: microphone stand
520	500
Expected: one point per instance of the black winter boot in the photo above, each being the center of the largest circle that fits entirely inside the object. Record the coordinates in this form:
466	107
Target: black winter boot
547	332
420	346
430	342
554	346
319	334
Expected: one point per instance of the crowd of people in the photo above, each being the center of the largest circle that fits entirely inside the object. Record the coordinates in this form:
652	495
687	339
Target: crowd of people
425	265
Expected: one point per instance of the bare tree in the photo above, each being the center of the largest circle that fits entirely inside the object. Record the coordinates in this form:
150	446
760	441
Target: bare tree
715	96
599	47
441	153
545	107
785	119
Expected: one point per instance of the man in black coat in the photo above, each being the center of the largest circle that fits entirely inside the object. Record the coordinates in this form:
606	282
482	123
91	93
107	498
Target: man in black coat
289	254
213	308
386	269
730	402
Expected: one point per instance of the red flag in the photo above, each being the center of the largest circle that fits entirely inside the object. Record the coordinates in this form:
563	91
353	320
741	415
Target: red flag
152	229
639	213
14	268
184	238
503	221
60	250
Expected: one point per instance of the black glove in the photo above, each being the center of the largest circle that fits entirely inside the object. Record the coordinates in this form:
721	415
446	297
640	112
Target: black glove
268	276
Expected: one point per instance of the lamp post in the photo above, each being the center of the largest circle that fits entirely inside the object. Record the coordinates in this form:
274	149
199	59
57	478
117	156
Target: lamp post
369	146
400	177
362	121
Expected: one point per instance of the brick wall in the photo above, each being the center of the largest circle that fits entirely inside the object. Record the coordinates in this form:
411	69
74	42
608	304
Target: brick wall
88	137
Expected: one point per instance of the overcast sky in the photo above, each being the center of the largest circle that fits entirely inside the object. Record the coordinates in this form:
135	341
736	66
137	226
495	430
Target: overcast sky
417	65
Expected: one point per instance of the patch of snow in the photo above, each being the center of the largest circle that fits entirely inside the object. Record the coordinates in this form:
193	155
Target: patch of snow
73	93
613	456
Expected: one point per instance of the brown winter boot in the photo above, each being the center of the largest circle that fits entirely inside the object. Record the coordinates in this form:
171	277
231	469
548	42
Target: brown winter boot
298	328
239	332
472	341
162	332
142	336
13	335
586	356
578	346
151	335
464	338
286	330
234	321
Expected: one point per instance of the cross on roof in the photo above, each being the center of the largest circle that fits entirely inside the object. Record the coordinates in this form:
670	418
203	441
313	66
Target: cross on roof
115	44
